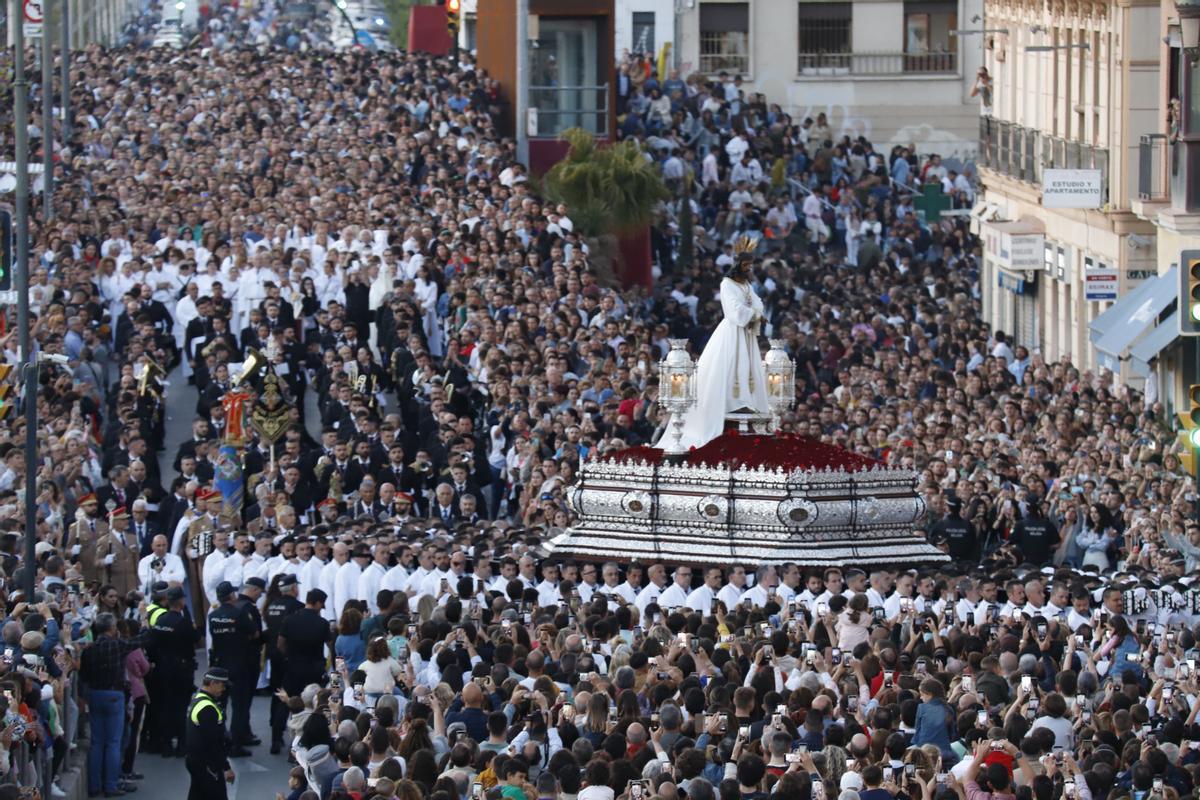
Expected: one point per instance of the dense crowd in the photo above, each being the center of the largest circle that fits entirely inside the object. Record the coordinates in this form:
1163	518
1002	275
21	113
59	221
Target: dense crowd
359	221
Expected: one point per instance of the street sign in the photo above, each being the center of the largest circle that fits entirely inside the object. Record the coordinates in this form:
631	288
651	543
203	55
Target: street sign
34	17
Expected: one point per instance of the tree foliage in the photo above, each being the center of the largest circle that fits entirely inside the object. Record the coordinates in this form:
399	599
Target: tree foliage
609	189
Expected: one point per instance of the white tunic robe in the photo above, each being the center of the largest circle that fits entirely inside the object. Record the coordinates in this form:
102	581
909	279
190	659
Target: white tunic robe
729	374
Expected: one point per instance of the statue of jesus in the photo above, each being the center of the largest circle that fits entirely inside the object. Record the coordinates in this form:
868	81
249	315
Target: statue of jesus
729	375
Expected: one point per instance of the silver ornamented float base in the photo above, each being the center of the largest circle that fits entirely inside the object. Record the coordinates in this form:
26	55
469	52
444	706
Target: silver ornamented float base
736	513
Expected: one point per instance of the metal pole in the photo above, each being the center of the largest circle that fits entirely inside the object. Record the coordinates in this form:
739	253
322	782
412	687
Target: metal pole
521	101
65	70
47	123
21	123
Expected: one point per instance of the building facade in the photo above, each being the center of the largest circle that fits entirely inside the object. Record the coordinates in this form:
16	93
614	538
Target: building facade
1071	87
1168	197
895	71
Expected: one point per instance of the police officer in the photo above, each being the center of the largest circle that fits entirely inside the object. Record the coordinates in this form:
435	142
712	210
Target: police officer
233	631
207	762
153	729
282	604
962	543
247	601
304	640
174	640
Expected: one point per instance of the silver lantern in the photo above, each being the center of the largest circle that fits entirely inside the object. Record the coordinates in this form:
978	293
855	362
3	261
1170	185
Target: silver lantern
676	390
780	372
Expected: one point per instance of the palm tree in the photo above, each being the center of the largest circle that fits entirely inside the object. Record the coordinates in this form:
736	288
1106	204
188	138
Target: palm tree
608	191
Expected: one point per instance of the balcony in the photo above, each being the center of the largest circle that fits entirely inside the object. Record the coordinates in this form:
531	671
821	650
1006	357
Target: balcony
1153	154
834	64
1023	153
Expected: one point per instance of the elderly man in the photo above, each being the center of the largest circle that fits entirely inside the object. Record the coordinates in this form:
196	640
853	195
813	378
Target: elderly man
658	581
161	565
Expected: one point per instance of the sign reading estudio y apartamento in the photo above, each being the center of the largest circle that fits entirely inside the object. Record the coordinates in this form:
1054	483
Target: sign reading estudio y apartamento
1072	188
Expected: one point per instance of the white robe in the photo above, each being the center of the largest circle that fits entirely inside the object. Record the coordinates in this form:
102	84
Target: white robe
729	374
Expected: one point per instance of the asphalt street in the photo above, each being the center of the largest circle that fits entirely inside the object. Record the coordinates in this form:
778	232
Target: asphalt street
261	775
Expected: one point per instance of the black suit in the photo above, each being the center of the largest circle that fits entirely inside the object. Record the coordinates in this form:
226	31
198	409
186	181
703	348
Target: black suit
447	514
145	532
200	328
122	497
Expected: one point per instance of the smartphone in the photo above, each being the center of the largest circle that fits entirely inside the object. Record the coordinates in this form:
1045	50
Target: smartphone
635	791
654	720
981	718
1068	788
851	703
1158	785
768	654
887	680
1086	716
940	778
792	758
477	791
1145	729
612	714
995	745
339	664
744	732
1026	683
822	609
887	774
910	770
1041	630
835	656
921	667
412	631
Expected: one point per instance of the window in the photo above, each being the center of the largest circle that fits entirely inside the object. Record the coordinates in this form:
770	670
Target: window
928	43
725	37
824	40
1048	257
565	76
643	32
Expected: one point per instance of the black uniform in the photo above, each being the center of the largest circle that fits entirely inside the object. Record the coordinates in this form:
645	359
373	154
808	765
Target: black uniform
173	638
236	636
959	535
305	636
277	611
1037	537
207	759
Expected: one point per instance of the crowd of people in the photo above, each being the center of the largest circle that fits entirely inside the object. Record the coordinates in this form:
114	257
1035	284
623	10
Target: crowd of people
359	222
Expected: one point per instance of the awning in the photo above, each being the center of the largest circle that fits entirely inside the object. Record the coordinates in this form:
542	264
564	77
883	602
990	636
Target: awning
1152	344
1120	326
1013	283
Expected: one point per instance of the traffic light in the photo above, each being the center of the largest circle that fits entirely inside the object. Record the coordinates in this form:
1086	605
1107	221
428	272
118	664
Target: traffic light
1189	293
6	251
6	390
453	9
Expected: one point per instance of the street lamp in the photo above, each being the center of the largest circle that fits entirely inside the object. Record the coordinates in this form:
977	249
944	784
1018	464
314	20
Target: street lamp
676	390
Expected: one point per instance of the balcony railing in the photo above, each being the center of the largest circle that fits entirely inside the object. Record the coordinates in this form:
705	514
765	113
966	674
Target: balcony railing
1153	153
826	64
1024	153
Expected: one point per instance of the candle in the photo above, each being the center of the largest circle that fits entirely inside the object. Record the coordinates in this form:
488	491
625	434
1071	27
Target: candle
775	384
678	385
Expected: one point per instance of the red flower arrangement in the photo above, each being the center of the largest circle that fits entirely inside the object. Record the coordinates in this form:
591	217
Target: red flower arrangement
786	451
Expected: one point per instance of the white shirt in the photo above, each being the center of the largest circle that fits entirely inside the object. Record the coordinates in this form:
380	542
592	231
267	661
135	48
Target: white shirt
625	590
310	576
730	595
756	595
431	584
214	568
647	596
395	579
674	596
548	595
239	567
368	584
345	586
701	600
172	570
325	583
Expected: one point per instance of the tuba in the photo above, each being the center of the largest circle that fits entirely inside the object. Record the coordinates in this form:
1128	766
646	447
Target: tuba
255	361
